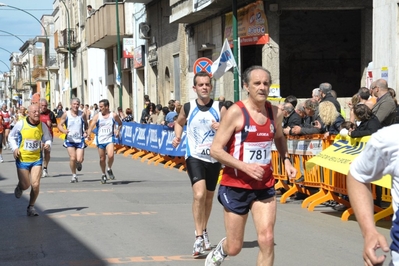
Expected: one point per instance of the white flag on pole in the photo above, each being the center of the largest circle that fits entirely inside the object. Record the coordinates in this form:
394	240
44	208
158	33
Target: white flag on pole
224	62
117	77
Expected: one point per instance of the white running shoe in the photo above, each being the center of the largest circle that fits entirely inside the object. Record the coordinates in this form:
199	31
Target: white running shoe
215	257
31	211
44	173
74	179
1	159
198	247
207	242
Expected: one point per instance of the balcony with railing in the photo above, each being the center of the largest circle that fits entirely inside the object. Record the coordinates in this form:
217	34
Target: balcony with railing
22	78
61	44
53	63
101	26
39	72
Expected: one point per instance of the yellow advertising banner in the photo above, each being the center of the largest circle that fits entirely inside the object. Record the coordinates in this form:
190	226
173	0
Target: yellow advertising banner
252	25
340	154
48	92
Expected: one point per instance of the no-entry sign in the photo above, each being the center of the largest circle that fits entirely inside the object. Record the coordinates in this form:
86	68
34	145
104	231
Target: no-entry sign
203	64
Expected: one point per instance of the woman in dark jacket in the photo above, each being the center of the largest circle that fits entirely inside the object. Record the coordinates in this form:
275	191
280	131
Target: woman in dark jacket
369	123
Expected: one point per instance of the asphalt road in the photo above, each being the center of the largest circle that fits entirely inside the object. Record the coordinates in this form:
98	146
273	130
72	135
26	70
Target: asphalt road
143	217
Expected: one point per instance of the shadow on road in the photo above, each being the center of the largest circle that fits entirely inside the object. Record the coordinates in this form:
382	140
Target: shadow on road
250	244
38	240
65	209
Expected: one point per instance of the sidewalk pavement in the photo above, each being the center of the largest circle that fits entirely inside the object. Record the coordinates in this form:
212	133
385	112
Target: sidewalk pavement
143	217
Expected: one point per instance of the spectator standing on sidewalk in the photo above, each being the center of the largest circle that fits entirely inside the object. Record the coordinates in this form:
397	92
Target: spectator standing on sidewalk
385	107
129	116
106	131
325	90
202	117
243	143
75	123
26	139
48	118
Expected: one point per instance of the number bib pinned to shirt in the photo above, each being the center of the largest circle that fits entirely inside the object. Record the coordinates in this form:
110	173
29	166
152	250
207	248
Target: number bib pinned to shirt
74	137
257	152
204	150
32	145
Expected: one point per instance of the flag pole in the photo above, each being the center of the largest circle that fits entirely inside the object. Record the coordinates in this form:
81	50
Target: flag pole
235	51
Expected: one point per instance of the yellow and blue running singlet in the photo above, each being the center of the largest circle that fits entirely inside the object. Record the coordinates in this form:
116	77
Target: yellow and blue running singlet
29	142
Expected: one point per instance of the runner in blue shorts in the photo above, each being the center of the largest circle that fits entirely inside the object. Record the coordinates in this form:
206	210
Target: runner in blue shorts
26	140
73	124
105	123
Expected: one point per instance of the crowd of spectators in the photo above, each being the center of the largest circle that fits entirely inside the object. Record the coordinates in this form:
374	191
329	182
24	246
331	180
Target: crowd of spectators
370	109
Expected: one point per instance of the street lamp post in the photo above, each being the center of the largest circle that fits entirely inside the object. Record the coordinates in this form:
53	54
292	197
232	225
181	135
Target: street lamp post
29	70
235	50
46	45
69	50
118	52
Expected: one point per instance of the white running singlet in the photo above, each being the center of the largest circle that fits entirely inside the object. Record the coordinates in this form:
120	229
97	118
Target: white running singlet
75	126
200	133
105	129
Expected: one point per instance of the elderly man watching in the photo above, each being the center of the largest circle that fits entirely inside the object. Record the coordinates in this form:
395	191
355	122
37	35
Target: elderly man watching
291	118
311	108
385	107
325	90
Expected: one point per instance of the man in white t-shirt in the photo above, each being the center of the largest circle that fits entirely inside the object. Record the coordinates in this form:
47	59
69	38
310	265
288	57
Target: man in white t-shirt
380	157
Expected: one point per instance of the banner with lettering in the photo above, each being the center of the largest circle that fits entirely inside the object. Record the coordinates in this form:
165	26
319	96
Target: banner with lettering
152	138
340	154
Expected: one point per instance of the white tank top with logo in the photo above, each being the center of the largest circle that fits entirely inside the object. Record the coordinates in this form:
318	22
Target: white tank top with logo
75	126
200	133
105	129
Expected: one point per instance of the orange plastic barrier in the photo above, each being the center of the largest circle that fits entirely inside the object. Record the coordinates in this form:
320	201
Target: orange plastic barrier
310	179
385	213
330	184
56	132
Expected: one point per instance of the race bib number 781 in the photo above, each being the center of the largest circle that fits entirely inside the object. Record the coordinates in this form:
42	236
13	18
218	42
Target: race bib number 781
257	152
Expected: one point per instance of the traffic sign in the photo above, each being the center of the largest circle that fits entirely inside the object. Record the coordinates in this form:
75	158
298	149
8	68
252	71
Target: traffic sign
203	64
